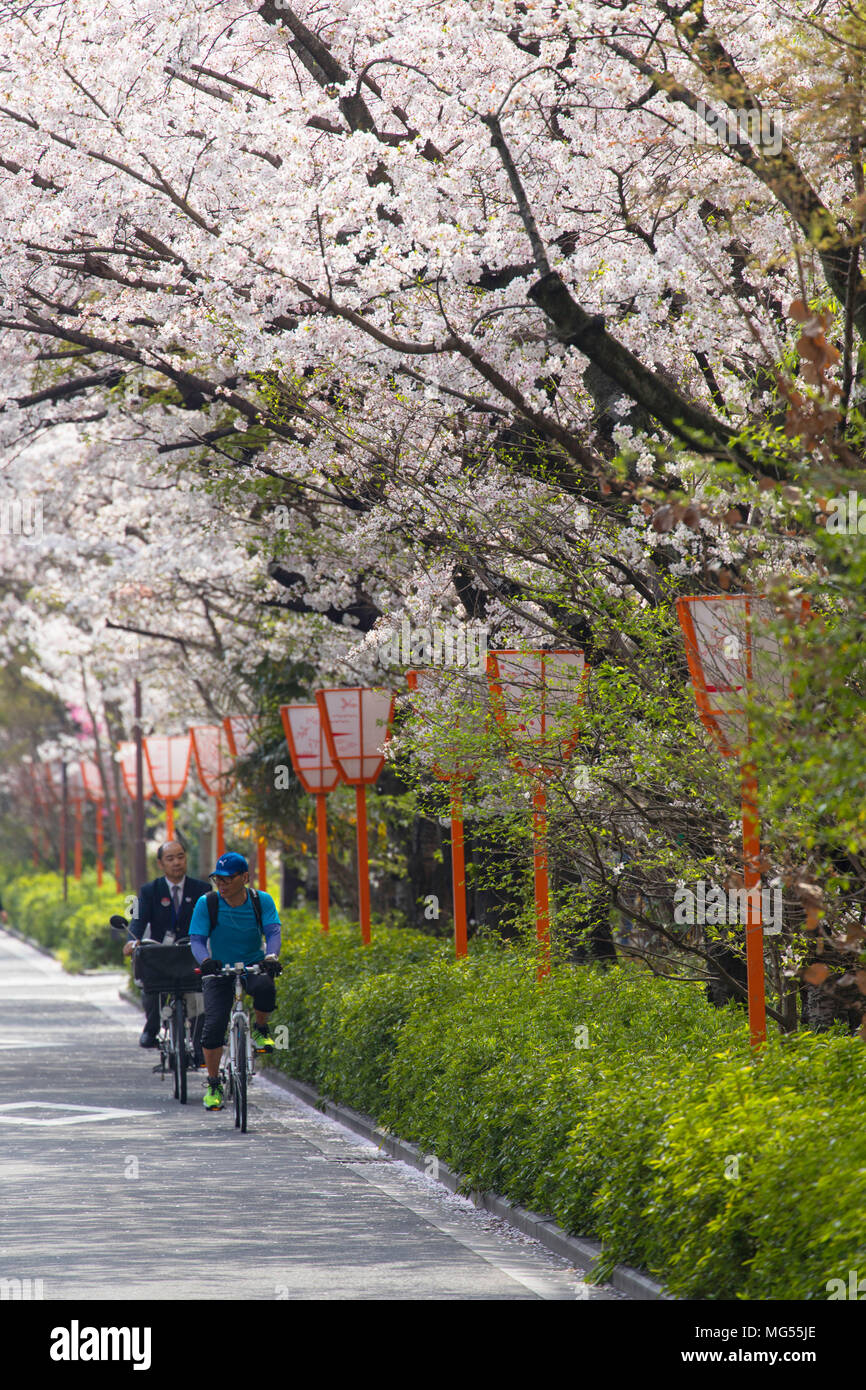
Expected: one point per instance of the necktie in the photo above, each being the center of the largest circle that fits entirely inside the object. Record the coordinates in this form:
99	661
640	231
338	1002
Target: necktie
175	895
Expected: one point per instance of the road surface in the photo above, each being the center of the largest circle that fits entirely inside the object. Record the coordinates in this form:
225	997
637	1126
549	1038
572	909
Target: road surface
114	1190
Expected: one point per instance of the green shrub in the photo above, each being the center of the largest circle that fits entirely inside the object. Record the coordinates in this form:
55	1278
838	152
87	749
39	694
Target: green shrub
788	1215
76	929
621	1103
315	965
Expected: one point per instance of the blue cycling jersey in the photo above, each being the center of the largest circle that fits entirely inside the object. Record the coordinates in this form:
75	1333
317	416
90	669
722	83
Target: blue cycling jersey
236	936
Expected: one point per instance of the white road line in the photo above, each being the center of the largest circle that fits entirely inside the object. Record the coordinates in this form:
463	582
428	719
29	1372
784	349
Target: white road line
93	1113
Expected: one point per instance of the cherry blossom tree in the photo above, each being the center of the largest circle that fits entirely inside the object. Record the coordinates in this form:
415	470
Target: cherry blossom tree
317	317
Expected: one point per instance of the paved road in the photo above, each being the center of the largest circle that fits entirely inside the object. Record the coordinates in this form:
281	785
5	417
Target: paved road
113	1190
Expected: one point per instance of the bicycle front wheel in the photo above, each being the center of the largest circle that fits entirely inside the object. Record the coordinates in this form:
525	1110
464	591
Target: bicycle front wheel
178	1028
239	1029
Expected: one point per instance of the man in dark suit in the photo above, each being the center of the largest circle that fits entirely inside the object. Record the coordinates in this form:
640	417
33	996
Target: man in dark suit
165	908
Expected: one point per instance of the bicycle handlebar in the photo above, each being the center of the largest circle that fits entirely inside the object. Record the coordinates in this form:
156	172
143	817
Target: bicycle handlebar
239	969
180	941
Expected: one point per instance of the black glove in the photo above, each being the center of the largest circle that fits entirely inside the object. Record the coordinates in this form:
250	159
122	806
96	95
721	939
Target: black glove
210	966
272	965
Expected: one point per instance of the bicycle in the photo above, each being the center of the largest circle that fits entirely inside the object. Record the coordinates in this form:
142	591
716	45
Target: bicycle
174	973
238	1069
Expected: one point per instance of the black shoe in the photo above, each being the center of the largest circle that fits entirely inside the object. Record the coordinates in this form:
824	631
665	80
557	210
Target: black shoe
147	1040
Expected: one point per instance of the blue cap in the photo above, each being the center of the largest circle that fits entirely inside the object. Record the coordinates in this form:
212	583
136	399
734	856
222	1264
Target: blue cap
229	864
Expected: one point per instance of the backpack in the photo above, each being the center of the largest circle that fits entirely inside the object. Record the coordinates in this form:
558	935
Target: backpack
213	907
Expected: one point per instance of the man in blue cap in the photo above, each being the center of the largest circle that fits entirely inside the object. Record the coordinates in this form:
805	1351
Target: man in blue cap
233	924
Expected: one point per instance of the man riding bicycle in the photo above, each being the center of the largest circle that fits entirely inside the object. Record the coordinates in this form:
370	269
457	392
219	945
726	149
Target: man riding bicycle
230	925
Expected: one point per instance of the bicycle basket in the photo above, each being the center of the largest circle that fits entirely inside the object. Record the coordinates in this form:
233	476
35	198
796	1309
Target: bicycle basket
167	969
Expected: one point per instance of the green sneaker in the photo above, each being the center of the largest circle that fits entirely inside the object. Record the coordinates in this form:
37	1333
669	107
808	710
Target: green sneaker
213	1096
262	1040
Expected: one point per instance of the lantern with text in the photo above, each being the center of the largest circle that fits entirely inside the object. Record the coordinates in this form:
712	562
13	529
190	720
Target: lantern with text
213	760
126	753
536	698
357	721
734	659
168	763
318	774
241	734
452	735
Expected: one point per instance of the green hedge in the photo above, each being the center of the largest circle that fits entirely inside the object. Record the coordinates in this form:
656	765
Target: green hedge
662	1137
75	930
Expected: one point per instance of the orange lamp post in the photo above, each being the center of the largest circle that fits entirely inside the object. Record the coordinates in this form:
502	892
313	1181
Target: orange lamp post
318	774
535	697
734	658
213	760
241	734
449	768
357	725
168	763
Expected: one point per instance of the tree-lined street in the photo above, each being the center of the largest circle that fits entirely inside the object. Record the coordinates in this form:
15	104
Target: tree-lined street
433	488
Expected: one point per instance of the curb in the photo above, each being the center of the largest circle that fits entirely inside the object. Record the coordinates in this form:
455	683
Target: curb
47	951
28	940
578	1251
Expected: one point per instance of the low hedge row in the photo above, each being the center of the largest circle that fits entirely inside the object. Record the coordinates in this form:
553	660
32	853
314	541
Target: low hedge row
76	929
623	1104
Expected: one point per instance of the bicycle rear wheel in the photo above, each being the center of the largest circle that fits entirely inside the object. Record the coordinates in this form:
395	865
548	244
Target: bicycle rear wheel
239	1029
178	1028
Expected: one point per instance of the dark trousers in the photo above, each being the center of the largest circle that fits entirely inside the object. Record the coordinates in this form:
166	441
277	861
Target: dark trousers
218	997
150	998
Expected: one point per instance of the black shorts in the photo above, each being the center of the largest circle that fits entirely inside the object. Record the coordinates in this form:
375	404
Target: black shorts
218	998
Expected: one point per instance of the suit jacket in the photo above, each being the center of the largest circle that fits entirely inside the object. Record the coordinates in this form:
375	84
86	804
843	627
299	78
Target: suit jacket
155	909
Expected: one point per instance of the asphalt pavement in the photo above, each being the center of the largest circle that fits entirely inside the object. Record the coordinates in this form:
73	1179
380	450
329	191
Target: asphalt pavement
112	1190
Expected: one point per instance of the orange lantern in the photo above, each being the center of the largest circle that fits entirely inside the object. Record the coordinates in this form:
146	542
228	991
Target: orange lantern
734	658
450	766
213	760
241	734
168	764
356	722
318	774
535	698
126	755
